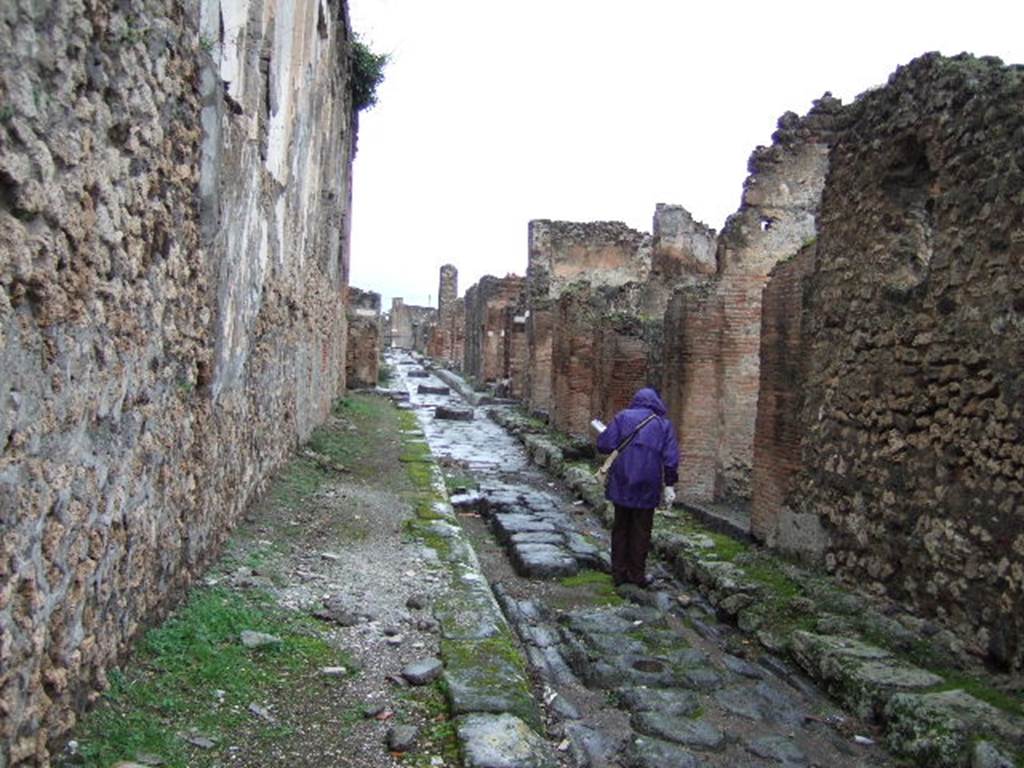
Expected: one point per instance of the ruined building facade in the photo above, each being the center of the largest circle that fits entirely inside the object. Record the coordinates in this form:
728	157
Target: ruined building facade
410	326
174	201
844	359
362	360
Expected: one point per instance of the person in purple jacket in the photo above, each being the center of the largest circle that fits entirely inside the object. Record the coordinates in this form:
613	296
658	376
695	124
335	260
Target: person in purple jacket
645	470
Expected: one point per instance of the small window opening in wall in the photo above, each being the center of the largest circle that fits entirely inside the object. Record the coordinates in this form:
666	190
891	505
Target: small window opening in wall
767	223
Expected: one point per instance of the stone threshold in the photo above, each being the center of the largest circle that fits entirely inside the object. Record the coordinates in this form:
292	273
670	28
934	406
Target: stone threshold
926	717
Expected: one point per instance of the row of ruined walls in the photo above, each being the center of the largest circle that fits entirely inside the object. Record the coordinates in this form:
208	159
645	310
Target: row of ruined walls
174	198
842	360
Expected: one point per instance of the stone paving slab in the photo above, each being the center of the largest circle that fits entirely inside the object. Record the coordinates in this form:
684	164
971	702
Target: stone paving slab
501	741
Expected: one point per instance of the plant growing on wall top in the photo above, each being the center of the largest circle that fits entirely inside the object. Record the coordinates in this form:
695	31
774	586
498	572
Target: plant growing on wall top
367	74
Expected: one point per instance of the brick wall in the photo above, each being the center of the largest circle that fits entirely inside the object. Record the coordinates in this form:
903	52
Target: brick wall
778	434
488	333
713	380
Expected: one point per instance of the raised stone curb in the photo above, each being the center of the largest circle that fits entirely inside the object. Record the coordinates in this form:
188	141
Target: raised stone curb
484	671
459	384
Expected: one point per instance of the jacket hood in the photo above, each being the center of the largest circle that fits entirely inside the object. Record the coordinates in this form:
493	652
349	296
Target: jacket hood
648	398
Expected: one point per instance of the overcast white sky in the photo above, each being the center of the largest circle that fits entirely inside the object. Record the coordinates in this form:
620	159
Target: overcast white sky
494	113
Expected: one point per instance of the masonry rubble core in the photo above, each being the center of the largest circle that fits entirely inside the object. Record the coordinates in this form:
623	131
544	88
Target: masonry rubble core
844	361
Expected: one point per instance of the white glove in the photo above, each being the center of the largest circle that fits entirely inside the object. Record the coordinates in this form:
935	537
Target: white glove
669	496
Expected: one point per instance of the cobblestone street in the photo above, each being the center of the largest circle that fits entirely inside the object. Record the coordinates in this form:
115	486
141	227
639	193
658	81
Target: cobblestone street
628	677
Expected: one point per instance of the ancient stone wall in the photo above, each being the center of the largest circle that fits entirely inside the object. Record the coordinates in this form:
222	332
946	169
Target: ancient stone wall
411	326
713	331
362	364
490	305
173	254
562	253
444	346
914	325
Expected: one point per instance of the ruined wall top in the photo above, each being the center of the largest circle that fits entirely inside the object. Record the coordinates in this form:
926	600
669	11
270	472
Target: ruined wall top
359	299
604	252
782	195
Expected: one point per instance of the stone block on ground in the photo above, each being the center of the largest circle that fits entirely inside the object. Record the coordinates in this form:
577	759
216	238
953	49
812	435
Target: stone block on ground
453	414
648	752
501	741
939	729
861	676
543	561
508	525
424	671
417	373
427	389
689	733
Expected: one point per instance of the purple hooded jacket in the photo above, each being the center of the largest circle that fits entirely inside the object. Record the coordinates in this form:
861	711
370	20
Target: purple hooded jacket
649	462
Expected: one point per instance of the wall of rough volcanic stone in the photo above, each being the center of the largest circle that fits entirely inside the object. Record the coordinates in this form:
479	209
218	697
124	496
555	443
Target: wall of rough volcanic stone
362	359
716	327
914	319
173	253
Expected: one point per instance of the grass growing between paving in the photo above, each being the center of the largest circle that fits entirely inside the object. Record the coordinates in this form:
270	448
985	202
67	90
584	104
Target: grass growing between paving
587	587
193	677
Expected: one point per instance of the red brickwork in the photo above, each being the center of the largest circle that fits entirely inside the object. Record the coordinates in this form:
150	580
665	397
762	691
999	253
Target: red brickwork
692	387
540	349
574	365
622	364
778	433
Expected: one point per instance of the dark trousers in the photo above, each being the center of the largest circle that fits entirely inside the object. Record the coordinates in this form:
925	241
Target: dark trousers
631	538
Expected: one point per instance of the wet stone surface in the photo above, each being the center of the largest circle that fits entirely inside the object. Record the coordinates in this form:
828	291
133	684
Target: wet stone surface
629	678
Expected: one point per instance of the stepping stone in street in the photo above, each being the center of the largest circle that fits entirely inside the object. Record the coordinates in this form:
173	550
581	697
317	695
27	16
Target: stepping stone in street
508	525
690	733
449	413
501	741
647	752
538	537
418	373
427	389
543	561
423	672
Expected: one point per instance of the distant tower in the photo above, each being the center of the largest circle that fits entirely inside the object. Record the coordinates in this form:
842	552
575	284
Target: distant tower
448	289
447	295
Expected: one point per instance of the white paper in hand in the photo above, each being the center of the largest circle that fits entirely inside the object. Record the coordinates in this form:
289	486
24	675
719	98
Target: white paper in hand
598	426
